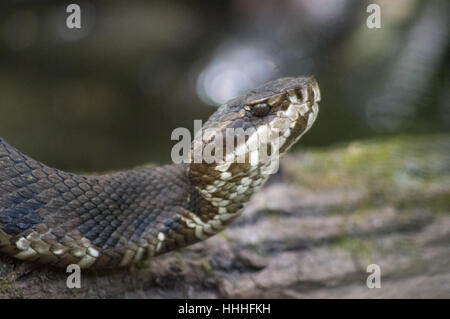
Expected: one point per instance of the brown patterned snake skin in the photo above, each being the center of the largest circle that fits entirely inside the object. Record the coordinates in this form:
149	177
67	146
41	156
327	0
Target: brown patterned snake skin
103	221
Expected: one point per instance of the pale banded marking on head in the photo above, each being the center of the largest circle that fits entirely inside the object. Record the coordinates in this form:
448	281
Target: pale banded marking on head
310	119
291	113
303	108
309	124
293	96
315	110
316	90
253	143
287	133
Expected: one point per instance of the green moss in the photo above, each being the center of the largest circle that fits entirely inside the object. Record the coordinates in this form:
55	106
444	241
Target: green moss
355	246
6	287
224	235
206	265
438	204
398	169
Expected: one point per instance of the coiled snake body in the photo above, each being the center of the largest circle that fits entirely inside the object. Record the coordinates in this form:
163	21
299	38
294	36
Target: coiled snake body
102	221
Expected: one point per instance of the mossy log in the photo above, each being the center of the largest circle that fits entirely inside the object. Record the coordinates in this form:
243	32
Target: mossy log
310	234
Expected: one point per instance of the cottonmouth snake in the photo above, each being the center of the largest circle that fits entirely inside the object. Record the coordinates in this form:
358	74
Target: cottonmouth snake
102	221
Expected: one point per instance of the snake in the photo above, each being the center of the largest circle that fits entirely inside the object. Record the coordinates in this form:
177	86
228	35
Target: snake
118	219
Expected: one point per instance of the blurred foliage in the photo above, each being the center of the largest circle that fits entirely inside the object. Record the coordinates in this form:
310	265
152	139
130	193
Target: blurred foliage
108	95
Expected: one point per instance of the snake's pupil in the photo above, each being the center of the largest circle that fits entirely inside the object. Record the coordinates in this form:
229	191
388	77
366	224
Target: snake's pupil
261	109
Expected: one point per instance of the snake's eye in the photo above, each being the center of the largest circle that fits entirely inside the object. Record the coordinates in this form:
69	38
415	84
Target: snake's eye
260	110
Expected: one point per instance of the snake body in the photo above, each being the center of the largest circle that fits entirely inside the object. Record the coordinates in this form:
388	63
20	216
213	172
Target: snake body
102	221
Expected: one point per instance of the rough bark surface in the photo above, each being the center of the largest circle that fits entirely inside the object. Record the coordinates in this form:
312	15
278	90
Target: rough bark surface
310	235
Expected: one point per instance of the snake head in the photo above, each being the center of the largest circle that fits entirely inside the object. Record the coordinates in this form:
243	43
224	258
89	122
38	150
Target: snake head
270	118
285	108
241	144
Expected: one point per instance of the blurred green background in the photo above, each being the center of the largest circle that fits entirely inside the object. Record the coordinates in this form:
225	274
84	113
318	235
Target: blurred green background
108	95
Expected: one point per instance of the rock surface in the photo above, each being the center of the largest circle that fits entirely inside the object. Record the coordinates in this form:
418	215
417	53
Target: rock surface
311	235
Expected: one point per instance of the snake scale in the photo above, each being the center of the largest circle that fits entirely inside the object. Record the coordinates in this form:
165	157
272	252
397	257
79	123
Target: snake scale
103	221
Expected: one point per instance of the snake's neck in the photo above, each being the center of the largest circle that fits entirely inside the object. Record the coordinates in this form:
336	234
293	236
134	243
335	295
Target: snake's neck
224	189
